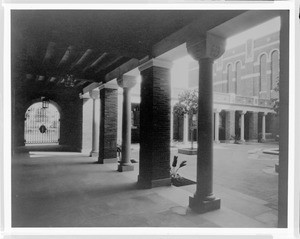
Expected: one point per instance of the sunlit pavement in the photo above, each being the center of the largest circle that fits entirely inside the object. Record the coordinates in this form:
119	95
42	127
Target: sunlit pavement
241	171
60	189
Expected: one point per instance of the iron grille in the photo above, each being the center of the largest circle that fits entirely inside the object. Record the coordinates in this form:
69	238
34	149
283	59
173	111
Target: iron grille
42	125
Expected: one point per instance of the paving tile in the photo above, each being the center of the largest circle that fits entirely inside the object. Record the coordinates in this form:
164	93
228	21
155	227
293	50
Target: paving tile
71	190
269	218
226	217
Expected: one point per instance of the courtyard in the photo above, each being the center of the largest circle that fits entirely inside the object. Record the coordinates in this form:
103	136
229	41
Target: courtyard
62	189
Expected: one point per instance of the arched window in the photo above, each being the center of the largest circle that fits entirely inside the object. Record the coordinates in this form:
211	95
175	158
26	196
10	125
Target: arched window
229	78
42	124
263	73
274	69
238	77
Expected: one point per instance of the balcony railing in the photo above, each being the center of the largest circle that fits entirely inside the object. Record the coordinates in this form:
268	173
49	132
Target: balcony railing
227	98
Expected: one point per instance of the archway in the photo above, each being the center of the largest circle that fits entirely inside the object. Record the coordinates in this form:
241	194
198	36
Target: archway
42	124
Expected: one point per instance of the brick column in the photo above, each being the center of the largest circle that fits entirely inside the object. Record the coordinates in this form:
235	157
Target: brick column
87	121
95	95
230	125
205	50
253	125
108	123
217	120
126	82
242	138
155	108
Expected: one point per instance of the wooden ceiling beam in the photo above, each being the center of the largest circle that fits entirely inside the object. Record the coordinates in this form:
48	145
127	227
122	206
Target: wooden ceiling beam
66	56
122	69
95	63
50	52
108	64
81	60
82	82
53	79
40	78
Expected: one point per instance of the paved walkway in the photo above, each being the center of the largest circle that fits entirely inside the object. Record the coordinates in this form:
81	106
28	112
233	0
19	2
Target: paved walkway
60	189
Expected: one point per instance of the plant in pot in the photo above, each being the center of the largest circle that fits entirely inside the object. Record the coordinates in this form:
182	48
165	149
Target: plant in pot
176	179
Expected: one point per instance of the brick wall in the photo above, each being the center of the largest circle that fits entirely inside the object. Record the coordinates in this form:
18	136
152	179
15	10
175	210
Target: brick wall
28	92
108	124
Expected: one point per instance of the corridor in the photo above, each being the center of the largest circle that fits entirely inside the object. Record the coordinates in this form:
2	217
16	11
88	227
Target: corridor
62	189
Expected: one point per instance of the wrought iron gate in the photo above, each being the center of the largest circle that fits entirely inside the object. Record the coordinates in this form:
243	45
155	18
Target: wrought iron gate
42	125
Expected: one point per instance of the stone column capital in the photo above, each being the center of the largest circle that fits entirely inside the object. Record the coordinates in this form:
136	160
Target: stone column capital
155	62
217	110
209	46
243	112
95	94
126	81
84	96
264	113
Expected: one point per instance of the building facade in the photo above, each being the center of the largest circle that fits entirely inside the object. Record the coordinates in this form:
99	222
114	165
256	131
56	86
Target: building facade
245	80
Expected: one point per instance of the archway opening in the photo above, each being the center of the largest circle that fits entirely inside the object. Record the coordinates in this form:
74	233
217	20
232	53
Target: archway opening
42	125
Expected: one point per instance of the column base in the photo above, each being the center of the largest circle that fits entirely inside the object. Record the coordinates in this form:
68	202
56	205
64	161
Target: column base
125	168
105	161
217	141
94	154
147	184
199	206
86	151
277	168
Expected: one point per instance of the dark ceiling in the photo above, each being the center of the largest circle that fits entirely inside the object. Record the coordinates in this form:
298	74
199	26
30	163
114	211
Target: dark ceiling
49	44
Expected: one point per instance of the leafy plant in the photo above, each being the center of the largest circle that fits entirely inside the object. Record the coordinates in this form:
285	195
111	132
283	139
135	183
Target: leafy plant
187	105
236	138
174	169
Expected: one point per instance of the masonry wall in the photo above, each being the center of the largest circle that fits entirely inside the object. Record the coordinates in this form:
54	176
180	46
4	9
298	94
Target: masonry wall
250	69
27	93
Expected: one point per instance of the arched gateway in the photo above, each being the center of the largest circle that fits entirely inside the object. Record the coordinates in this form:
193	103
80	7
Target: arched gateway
42	124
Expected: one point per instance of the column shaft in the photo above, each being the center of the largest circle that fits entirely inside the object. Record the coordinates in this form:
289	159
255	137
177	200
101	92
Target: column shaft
205	130
185	129
217	120
171	124
204	199
125	164
96	117
87	128
242	127
263	133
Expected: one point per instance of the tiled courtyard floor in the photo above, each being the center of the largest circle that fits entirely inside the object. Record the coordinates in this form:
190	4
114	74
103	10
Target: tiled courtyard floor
58	189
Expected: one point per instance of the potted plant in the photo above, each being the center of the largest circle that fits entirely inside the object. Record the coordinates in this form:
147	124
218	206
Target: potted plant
176	179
